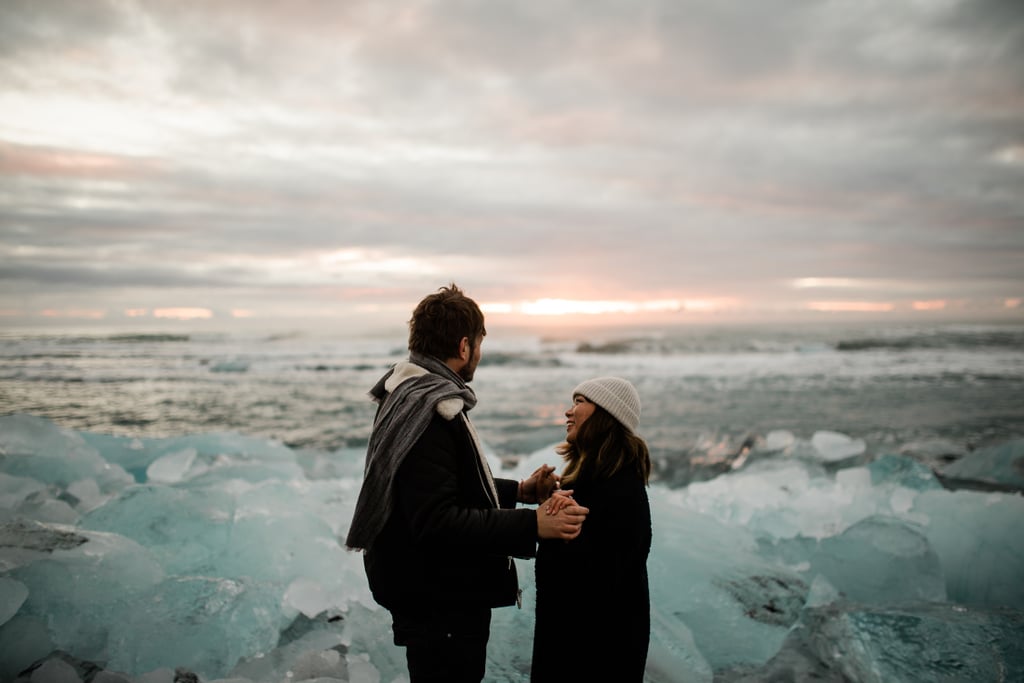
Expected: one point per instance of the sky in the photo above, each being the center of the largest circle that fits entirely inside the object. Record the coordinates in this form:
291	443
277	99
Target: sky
185	162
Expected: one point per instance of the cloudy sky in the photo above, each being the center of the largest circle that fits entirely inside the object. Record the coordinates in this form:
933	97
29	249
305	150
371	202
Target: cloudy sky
194	162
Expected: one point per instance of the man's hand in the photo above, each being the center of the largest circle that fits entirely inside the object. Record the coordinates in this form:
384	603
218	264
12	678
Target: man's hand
538	486
564	524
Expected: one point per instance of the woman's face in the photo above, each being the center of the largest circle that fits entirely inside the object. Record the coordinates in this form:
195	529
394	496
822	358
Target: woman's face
577	414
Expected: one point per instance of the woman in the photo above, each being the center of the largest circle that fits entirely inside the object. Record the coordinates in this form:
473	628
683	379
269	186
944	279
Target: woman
593	607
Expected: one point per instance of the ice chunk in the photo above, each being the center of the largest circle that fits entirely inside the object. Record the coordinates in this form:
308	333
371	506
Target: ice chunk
12	595
709	577
207	622
822	592
922	642
184	529
14	490
840	642
43	507
225	529
779	499
978	539
55	670
881	560
225	469
131	453
367	632
778	440
999	465
833	446
111	677
934	450
23	640
673	654
320	664
304	639
171	467
136	455
79	581
86	494
902	471
36	448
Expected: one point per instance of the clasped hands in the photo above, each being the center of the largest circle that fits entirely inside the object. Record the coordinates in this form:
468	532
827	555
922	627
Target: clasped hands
558	516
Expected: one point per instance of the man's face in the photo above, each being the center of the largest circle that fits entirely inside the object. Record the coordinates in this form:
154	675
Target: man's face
475	353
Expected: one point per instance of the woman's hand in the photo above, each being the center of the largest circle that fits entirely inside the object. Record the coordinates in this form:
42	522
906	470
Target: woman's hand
565	523
539	486
558	502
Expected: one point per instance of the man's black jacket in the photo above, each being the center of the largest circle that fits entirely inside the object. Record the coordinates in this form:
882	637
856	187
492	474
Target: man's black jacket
445	545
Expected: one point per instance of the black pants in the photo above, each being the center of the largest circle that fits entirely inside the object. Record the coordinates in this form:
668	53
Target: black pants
444	646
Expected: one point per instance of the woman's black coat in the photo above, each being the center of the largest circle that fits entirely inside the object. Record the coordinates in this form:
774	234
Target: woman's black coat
593	604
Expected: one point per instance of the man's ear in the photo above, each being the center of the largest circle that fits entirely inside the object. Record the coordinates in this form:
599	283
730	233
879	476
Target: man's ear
464	349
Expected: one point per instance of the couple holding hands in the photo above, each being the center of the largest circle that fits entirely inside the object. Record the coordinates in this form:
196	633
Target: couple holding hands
439	531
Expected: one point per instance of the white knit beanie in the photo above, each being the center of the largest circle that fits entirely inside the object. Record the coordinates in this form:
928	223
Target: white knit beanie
615	395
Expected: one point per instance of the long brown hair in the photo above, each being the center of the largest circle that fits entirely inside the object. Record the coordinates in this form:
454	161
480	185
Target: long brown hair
602	447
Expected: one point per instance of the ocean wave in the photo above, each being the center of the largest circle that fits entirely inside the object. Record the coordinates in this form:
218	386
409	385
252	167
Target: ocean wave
505	359
148	338
967	340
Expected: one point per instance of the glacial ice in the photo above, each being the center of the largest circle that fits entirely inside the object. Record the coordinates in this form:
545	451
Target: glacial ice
833	446
1001	465
12	596
222	554
35	448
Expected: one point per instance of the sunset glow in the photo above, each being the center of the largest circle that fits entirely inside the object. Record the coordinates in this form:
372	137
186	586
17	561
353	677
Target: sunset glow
86	313
824	282
570	307
851	306
183	313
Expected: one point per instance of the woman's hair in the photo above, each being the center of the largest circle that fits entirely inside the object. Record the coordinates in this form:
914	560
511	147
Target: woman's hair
441	320
602	447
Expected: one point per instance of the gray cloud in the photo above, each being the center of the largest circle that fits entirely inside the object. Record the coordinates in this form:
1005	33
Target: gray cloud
650	149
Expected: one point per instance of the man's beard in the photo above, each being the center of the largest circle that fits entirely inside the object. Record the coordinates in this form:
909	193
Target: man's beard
467	371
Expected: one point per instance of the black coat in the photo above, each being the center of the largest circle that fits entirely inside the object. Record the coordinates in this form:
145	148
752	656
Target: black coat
445	546
593	604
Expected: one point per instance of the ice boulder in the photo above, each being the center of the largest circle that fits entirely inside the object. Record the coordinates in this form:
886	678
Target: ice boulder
779	440
78	582
911	642
12	596
710	578
889	470
187	456
38	449
999	466
978	539
881	560
210	623
833	446
184	529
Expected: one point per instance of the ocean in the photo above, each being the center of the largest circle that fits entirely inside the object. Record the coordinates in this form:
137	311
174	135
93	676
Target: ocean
936	391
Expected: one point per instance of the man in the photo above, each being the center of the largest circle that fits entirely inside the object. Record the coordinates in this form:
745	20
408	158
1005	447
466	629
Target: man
438	530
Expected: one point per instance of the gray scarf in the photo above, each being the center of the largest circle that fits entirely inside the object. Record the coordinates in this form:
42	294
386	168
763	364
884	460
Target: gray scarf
402	418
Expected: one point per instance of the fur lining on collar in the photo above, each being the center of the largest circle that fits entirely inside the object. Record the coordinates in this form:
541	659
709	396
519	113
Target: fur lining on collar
404	370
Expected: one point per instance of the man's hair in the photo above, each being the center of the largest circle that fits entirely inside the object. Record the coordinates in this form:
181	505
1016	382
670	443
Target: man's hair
441	320
602	447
